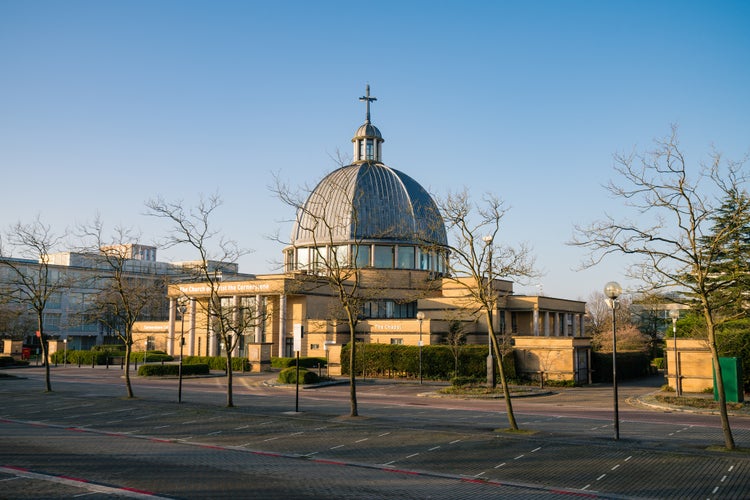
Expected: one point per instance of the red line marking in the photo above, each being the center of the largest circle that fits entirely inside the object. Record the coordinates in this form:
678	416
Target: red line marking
22	469
476	481
400	471
76	479
330	462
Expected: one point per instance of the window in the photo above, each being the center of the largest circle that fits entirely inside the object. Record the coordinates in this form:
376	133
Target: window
340	255
397	341
303	258
405	258
383	257
389	309
314	346
362	255
424	259
370	153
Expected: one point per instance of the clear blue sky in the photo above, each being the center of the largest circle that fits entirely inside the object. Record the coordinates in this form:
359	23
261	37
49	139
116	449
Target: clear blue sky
104	105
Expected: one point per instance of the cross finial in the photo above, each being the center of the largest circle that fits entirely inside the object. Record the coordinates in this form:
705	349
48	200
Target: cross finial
368	100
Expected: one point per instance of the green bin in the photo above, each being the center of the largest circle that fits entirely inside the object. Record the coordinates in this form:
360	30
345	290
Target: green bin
731	371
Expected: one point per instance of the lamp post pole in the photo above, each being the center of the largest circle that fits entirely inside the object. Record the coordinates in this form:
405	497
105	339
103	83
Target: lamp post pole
420	317
65	354
490	304
675	314
182	308
613	290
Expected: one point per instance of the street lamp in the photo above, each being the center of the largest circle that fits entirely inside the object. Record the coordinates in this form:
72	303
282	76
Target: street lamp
181	308
613	290
420	317
65	352
675	315
490	360
325	347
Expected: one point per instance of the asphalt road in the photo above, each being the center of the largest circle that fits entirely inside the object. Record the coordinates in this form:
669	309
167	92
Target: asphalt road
86	439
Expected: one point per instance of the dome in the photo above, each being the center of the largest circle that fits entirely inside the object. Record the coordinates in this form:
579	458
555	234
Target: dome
369	202
367	130
368	215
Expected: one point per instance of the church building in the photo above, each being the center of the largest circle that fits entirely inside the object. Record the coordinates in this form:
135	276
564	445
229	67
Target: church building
384	229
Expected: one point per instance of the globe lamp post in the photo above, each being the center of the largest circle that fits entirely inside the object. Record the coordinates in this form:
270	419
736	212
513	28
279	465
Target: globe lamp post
490	360
182	308
613	290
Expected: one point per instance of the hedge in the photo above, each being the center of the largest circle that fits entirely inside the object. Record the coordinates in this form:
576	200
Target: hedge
218	362
630	365
304	362
289	376
100	357
172	369
402	361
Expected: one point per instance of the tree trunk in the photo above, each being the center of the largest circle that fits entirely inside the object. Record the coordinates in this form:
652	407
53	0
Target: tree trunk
128	385
503	382
726	429
45	352
230	400
352	373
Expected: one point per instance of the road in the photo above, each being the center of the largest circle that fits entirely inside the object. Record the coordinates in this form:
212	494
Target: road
86	438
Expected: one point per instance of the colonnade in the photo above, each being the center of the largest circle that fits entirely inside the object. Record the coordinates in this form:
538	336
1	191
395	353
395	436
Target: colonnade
183	325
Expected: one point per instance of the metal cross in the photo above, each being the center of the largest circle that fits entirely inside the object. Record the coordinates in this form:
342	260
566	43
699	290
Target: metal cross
368	100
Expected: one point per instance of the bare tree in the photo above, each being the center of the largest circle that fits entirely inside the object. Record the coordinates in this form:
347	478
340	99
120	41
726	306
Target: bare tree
34	283
455	338
193	227
337	265
123	297
672	234
15	320
477	259
599	313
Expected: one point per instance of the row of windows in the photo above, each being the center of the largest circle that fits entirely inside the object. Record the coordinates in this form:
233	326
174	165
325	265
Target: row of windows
388	309
368	255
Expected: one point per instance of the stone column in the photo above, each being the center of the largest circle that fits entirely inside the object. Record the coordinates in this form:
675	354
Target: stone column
546	324
536	322
191	331
170	332
235	320
282	325
259	315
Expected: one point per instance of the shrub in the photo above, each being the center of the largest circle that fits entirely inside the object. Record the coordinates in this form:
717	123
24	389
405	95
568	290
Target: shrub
386	360
467	380
304	362
218	362
7	361
173	370
630	365
289	376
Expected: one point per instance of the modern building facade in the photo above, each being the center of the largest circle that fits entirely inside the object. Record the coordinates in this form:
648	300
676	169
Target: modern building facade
78	278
